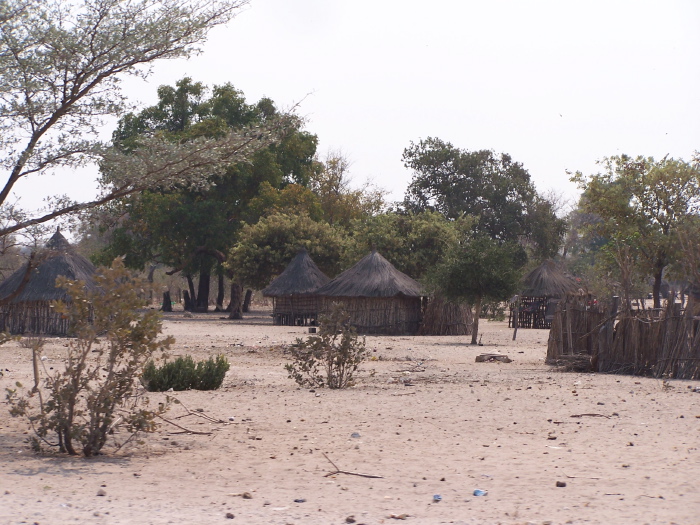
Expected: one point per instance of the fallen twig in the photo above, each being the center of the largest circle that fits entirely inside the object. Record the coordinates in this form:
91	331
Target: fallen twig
590	415
195	413
338	471
580	477
187	430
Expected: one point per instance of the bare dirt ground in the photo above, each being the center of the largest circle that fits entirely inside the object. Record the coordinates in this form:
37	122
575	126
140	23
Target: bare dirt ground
424	416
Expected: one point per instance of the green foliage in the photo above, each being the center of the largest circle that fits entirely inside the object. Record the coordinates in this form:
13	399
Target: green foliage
413	242
330	358
640	205
97	390
191	228
479	269
185	374
265	248
494	189
72	57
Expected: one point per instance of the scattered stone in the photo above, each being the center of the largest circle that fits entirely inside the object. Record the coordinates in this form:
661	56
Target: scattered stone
229	516
561	483
350	519
300	500
247	495
101	493
490	358
355	435
398	516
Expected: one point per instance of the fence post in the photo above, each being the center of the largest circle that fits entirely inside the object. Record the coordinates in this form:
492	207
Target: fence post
516	313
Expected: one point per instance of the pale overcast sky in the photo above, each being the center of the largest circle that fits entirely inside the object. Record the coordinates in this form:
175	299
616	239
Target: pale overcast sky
556	84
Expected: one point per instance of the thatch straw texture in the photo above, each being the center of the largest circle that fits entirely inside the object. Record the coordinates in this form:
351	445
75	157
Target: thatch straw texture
442	317
547	280
293	292
373	276
379	298
301	276
30	310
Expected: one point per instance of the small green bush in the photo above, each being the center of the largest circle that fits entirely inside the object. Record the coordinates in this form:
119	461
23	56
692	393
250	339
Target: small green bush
185	374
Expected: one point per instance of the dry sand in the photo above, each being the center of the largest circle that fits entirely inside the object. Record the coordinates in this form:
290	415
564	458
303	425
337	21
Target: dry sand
423	416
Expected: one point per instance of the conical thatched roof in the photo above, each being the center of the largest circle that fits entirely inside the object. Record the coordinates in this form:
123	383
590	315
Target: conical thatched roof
373	276
301	276
547	280
59	258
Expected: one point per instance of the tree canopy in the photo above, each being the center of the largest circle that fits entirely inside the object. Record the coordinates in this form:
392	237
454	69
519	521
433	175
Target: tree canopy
493	188
60	69
644	203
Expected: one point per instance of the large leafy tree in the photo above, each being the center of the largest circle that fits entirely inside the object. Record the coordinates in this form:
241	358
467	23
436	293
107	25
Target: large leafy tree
190	228
413	242
493	188
477	269
265	248
644	202
61	64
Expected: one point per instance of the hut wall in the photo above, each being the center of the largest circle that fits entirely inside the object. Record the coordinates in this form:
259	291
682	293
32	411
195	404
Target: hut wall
380	315
32	318
296	310
446	318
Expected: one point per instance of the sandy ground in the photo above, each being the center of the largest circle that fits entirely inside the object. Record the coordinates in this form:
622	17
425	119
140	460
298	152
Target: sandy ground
424	416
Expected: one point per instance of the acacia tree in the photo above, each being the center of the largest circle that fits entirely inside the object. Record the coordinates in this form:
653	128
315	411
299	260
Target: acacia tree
646	200
60	68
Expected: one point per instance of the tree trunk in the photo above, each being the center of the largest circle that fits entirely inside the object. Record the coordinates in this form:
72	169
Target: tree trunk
246	301
656	291
192	295
220	294
189	306
475	324
236	300
202	301
167	302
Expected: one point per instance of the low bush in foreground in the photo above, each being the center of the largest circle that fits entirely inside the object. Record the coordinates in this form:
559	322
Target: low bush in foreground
330	358
185	374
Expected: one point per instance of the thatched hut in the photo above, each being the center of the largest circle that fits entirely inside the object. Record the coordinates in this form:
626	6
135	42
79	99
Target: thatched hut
542	290
379	298
294	301
30	311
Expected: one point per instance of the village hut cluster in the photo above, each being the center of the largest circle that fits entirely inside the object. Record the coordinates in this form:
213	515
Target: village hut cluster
378	298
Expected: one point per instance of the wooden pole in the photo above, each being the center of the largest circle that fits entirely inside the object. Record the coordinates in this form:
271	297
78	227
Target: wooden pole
516	314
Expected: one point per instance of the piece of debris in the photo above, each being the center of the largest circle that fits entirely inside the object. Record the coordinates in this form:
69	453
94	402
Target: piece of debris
561	483
490	358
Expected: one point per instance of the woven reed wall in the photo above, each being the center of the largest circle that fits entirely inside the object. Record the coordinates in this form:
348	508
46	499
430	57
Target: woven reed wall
442	317
380	315
32	318
296	310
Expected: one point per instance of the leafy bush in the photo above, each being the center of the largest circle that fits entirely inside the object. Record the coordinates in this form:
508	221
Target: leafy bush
185	374
97	390
330	358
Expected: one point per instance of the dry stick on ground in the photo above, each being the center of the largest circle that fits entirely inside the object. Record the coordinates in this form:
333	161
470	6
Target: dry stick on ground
195	413
579	477
338	471
186	430
590	415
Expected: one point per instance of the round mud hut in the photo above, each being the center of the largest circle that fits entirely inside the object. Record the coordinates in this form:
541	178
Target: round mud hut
293	292
379	298
542	290
27	298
